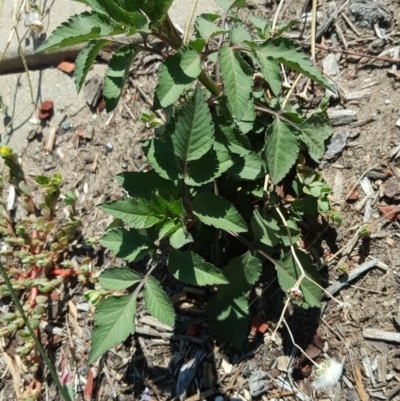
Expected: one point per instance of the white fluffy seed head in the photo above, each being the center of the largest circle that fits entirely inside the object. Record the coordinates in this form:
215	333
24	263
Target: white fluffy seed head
327	374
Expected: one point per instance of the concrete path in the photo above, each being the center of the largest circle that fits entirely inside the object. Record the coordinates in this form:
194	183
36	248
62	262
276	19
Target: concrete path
56	12
49	83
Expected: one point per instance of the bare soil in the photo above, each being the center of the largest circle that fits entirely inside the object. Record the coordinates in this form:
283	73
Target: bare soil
153	360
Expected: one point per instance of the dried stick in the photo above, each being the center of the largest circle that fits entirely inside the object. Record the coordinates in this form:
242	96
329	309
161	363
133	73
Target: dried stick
189	21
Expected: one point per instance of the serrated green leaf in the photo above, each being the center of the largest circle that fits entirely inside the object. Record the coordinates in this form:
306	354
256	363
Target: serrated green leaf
176	207
239	33
241	272
314	132
136	212
141	184
227	5
85	59
119	278
238	80
116	75
285	26
265	229
193	131
111	9
80	29
193	269
156	10
281	149
180	238
228	137
206	29
262	25
230	318
250	167
216	211
271	72
127	245
157	303
159	204
114	321
246	123
168	229
162	159
177	74
209	167
289	273
288	53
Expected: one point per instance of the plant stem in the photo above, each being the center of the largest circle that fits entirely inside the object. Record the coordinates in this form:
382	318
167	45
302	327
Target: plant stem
207	81
63	391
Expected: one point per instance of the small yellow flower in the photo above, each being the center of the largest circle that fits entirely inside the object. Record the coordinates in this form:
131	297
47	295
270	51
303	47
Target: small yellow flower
6	152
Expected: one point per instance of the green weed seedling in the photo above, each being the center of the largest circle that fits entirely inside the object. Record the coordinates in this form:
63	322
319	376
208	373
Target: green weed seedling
234	145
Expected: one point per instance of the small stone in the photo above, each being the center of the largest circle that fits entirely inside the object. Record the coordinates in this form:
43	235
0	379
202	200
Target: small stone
398	122
387	101
109	147
124	166
65	125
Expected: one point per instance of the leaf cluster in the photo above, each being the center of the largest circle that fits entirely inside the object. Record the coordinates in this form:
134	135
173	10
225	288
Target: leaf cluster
229	156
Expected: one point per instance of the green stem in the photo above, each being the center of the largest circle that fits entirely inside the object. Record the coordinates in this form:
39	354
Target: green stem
207	81
61	388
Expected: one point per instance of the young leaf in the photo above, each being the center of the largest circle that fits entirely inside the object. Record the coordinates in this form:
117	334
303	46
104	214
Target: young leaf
168	229
228	137
137	212
118	279
216	211
314	132
116	75
250	167
157	303
193	269
265	229
288	53
241	272
85	60
239	33
209	167
281	149
141	184
180	238
80	29
111	9
156	10
162	159
193	133
230	318
246	123
206	29
262	25
285	26
176	75
289	272
238	80
114	321
127	245
271	72
227	5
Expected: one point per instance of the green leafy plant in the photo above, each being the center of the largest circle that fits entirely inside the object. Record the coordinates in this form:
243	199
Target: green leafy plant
234	149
